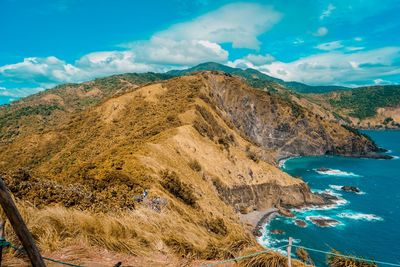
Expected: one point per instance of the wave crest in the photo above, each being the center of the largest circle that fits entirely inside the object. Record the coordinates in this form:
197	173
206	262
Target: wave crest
335	172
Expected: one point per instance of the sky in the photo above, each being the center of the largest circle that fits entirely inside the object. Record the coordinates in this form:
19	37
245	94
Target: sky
44	43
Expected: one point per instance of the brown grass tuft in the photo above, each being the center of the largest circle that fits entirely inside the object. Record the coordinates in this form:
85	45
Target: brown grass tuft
195	165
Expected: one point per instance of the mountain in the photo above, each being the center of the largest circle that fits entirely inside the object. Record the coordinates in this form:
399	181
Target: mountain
257	78
362	107
203	146
365	107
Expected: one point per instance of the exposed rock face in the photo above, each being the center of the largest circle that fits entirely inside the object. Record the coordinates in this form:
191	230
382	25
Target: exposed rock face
267	195
282	125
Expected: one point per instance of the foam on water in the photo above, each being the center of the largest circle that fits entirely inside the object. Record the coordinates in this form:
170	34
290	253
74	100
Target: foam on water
360	216
335	172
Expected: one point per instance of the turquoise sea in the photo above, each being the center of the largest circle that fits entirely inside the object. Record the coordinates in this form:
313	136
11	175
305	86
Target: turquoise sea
369	221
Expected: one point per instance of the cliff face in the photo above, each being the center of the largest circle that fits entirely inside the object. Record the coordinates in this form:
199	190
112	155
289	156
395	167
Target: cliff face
283	125
205	144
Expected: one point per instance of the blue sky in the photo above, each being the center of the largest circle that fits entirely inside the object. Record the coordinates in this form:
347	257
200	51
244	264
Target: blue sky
47	42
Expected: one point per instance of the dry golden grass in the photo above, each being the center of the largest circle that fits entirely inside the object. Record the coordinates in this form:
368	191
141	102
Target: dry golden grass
269	259
342	261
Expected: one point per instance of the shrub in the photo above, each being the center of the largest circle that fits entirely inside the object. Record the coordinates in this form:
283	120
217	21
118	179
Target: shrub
195	165
216	226
171	182
252	155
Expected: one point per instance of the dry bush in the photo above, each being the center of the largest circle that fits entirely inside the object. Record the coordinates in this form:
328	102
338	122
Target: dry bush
252	155
195	165
343	261
216	226
171	182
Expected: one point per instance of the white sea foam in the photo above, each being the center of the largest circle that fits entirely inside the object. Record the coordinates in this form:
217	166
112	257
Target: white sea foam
360	216
395	157
282	162
334	172
339	188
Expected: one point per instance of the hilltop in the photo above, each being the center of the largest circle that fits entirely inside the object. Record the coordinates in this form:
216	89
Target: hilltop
361	107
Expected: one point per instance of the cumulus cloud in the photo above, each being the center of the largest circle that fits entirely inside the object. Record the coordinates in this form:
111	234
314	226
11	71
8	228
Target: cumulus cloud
238	23
160	50
336	67
321	31
327	12
41	71
259	59
110	62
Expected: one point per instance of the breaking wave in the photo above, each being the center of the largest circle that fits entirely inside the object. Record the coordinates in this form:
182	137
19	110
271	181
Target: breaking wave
360	216
334	172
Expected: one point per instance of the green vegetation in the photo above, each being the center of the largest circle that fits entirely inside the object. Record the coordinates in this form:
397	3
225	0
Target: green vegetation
364	101
11	116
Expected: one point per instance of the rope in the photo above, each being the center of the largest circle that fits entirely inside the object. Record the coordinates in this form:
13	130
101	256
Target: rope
6	244
242	257
347	256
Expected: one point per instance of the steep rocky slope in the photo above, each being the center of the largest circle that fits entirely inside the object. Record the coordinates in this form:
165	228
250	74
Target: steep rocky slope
204	146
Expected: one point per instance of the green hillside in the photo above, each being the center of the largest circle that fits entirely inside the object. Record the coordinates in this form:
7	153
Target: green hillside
364	101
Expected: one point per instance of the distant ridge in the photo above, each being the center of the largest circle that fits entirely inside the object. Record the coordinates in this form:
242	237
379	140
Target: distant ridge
251	75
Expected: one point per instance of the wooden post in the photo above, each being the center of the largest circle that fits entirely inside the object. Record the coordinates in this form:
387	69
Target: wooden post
289	252
2	225
19	226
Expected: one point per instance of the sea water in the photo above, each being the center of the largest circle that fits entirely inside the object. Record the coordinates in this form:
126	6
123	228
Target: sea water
368	221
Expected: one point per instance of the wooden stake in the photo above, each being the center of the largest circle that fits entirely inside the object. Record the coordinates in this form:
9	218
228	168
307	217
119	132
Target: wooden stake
19	226
2	225
289	252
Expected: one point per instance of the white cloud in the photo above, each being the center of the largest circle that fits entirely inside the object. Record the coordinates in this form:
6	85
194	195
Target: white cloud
327	12
330	46
110	62
237	23
19	92
354	48
321	31
39	70
160	50
358	39
259	59
336	67
381	82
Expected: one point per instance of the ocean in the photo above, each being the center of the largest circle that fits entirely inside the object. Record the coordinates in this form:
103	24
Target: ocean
369	221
